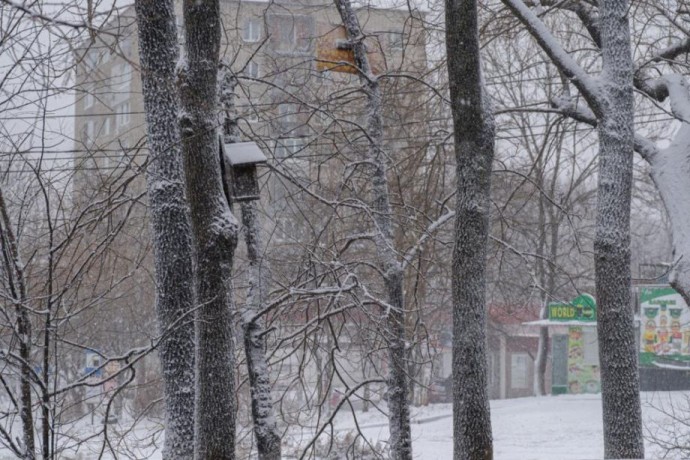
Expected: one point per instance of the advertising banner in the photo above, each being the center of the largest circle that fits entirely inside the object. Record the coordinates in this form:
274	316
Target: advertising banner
664	327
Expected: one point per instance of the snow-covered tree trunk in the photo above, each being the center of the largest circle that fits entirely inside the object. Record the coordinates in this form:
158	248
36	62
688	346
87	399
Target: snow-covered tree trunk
670	171
14	271
543	343
215	232
169	219
617	351
265	427
398	386
610	101
474	150
268	443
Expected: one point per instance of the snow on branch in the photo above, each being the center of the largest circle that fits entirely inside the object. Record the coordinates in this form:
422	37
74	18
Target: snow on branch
570	109
409	256
586	84
52	20
677	88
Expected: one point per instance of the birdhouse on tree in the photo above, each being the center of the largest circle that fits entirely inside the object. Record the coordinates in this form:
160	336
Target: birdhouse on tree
243	158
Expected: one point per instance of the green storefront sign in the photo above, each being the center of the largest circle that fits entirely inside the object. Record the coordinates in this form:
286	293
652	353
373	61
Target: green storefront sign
582	308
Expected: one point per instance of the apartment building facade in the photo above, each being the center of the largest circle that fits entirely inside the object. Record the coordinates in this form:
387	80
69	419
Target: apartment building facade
296	96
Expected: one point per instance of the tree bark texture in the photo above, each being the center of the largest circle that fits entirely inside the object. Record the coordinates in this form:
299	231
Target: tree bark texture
670	171
398	385
268	442
474	150
610	99
215	233
170	224
265	427
617	350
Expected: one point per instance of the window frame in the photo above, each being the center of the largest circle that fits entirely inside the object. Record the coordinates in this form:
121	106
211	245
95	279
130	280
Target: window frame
252	30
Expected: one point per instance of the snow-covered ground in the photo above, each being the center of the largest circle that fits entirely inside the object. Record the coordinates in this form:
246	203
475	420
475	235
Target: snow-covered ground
560	427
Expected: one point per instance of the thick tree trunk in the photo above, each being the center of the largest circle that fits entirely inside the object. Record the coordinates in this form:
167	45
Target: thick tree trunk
170	226
215	231
670	171
398	385
474	150
617	351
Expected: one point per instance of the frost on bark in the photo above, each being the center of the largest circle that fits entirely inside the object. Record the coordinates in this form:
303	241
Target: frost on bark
611	109
265	426
215	232
474	150
670	171
268	442
170	225
398	386
617	351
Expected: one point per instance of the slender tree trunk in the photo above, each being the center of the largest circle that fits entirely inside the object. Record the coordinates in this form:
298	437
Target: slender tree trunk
215	231
398	385
474	149
543	343
617	351
265	428
268	442
14	270
170	224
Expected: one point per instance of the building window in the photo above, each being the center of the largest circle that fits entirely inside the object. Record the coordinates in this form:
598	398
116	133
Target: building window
251	116
126	47
287	148
395	40
88	97
286	229
92	58
106	127
519	371
287	112
87	132
253	69
251	32
121	79
122	115
292	33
